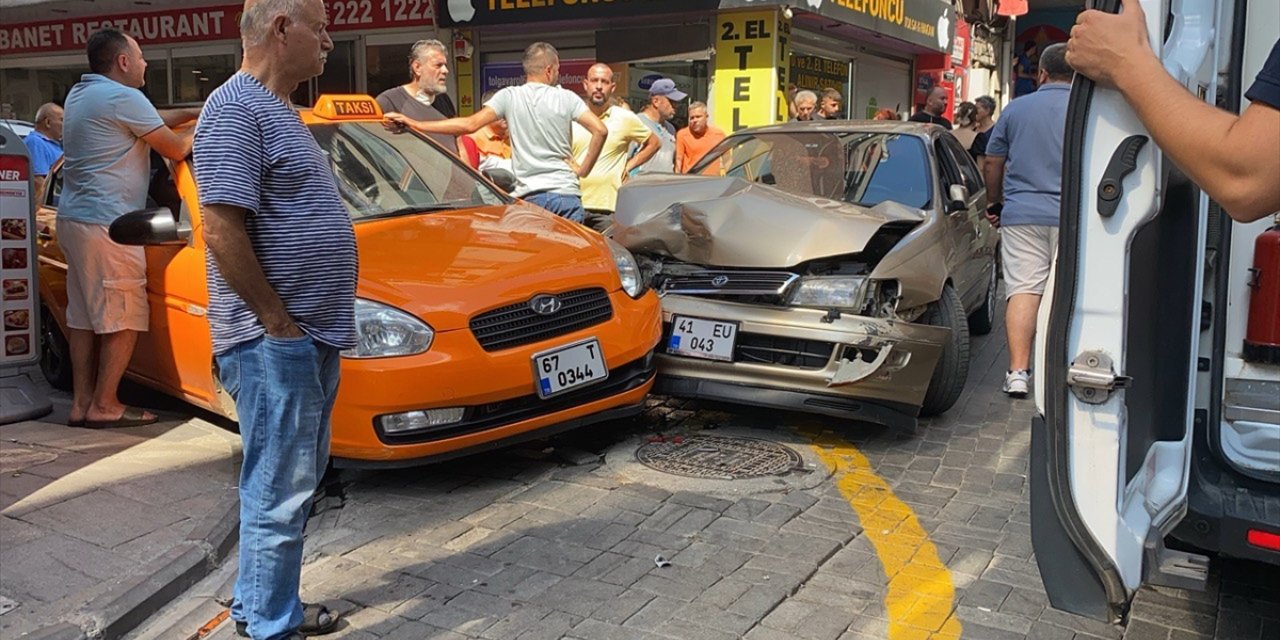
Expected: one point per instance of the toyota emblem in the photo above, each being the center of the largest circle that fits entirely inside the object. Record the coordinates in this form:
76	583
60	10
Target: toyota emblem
545	305
720	281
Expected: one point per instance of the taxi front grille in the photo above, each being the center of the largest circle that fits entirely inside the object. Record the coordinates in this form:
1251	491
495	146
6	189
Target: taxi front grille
518	324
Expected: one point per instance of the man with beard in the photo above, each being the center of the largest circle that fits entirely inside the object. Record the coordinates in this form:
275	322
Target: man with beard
933	108
657	116
538	114
424	94
600	187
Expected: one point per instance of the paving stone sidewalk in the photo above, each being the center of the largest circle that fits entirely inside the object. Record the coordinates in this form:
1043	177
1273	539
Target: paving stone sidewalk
87	517
561	542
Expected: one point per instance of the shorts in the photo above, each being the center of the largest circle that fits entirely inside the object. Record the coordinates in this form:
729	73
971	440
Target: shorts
106	282
1027	252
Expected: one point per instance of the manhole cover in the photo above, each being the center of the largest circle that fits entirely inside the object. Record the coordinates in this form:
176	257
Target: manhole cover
719	457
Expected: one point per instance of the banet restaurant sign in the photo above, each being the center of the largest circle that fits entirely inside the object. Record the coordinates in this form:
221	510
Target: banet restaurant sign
198	24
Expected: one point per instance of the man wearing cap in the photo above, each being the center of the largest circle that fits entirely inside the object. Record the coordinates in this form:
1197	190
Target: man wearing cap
657	116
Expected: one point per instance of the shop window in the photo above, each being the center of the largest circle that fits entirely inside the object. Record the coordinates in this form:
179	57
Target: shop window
157	81
25	89
387	66
195	77
339	75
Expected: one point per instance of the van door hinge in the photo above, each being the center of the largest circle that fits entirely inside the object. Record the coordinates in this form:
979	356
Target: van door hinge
1092	377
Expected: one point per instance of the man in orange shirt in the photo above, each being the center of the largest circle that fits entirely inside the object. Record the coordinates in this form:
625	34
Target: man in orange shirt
695	140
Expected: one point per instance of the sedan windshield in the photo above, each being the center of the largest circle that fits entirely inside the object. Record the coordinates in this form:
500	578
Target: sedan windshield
381	173
863	168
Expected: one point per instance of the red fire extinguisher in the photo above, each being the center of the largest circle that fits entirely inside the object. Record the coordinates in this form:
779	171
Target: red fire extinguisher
1262	338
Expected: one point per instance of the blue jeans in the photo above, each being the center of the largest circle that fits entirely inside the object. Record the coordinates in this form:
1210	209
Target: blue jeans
284	390
565	206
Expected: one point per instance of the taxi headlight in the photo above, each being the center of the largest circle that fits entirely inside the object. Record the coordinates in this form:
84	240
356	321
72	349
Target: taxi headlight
385	332
841	292
628	270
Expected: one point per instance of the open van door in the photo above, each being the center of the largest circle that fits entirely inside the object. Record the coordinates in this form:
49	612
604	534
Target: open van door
1118	340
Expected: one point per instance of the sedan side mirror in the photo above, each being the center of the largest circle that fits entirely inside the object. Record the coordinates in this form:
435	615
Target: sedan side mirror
504	179
957	198
156	226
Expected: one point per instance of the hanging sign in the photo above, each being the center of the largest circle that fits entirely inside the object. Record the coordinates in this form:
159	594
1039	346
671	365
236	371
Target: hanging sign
746	76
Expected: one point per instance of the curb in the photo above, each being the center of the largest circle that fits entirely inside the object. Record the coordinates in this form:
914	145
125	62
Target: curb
129	602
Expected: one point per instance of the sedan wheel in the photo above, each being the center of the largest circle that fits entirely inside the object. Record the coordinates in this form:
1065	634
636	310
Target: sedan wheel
984	318
953	367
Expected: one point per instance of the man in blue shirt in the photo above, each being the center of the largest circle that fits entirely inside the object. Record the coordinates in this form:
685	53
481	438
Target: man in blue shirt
110	130
1024	186
44	144
1234	158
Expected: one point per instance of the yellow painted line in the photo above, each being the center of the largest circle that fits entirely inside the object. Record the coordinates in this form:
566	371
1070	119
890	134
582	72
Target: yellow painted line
920	602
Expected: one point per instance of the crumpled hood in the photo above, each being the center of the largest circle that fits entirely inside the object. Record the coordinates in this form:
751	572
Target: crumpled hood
730	222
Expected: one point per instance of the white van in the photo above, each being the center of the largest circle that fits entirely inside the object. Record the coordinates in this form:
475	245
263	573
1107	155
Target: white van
1152	423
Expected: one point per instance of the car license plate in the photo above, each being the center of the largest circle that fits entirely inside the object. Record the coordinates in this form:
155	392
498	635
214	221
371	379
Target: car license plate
698	338
569	367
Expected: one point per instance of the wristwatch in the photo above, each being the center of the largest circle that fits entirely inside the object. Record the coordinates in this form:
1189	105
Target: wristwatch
995	208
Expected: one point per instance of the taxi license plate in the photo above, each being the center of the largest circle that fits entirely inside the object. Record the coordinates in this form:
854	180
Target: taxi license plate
569	367
698	338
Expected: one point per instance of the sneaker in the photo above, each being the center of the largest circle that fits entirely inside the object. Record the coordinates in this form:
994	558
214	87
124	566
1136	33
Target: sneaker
1017	383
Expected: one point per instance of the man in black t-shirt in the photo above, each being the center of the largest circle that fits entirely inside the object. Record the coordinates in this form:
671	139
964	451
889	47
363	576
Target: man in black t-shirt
933	108
1234	158
418	99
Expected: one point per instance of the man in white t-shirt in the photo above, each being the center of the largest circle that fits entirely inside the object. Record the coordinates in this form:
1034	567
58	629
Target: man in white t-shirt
539	117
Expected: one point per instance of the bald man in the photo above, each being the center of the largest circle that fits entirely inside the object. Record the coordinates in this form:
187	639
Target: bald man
933	108
44	144
600	187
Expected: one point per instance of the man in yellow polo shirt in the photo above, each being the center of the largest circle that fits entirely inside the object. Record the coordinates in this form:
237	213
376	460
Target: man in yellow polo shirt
600	187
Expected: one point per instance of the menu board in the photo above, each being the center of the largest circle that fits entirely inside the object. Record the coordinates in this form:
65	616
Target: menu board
17	263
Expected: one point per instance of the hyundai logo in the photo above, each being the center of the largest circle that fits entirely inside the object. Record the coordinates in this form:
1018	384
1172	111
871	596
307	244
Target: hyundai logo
720	281
545	305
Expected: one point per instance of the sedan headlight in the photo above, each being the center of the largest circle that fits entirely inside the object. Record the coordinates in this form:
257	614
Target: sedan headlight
841	292
628	270
385	332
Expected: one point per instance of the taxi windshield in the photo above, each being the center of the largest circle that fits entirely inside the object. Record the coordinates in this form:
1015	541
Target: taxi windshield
863	168
382	174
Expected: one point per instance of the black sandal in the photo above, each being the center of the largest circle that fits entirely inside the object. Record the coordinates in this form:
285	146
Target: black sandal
317	620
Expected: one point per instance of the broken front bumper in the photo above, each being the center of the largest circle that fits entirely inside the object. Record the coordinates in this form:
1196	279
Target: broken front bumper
794	358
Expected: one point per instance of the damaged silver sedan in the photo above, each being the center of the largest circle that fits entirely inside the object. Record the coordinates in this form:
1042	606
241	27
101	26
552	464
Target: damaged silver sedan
830	267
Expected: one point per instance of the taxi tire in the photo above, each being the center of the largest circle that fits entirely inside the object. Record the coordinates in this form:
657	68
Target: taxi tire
55	353
953	367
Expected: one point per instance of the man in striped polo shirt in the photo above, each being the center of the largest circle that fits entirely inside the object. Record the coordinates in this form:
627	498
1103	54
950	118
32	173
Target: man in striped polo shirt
282	281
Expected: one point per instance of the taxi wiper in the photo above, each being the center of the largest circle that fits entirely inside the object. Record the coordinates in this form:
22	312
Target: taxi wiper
419	208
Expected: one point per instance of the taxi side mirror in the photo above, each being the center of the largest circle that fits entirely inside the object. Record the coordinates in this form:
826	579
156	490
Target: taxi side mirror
156	226
504	179
957	198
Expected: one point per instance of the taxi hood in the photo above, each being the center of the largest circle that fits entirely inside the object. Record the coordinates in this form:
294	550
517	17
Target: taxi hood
447	266
730	222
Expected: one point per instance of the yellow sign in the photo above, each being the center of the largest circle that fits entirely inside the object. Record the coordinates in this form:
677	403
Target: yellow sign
346	107
747	69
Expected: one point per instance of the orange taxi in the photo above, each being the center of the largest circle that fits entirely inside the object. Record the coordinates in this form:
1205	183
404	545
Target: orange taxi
482	320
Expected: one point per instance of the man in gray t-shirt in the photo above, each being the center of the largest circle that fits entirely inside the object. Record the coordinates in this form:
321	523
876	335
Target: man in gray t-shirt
539	116
657	115
429	67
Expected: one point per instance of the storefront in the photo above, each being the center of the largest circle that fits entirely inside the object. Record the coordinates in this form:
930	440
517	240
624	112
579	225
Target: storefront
193	46
737	55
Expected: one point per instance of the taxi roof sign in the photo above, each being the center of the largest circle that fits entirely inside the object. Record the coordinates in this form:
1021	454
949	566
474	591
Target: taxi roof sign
347	107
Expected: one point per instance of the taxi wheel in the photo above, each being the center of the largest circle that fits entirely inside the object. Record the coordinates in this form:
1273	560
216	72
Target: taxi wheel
953	367
55	354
